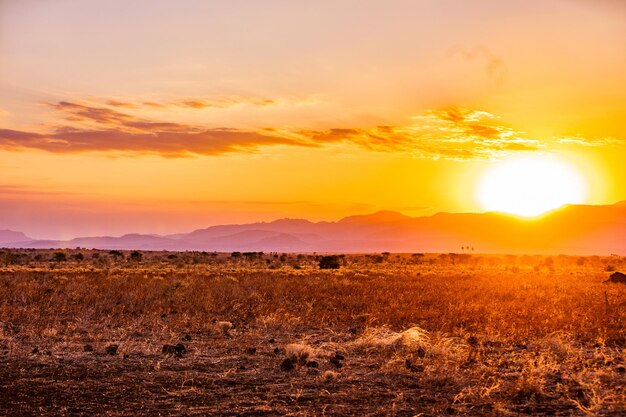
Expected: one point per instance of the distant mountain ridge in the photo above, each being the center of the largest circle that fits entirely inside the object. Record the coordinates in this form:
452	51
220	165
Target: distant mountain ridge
8	236
573	229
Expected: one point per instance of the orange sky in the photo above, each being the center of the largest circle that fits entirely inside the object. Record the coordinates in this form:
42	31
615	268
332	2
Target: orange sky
162	116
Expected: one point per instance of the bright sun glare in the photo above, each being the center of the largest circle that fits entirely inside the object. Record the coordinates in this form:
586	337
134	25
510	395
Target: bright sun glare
530	186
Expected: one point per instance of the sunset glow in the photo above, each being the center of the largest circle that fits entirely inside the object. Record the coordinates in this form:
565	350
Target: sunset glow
530	186
168	116
313	208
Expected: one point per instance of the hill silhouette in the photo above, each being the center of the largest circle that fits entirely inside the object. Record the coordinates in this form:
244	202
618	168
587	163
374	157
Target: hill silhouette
573	229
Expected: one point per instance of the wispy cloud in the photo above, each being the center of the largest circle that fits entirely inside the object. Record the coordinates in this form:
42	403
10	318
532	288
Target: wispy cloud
453	134
195	103
20	191
589	142
494	65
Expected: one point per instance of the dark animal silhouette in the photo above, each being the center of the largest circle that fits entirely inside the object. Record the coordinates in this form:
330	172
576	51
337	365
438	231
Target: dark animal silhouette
617	278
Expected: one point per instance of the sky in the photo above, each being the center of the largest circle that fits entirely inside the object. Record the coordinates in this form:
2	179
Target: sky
167	116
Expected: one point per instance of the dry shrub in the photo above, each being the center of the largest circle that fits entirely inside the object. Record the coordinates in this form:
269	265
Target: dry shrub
383	339
546	336
299	352
331	376
558	345
445	347
50	332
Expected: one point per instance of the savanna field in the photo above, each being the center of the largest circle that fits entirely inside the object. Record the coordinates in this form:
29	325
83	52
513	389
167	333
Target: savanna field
162	333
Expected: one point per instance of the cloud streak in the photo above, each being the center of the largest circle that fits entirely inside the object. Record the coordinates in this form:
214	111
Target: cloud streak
196	103
458	134
494	65
589	142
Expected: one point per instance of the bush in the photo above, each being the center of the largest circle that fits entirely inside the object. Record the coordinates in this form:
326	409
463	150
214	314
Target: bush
136	256
329	262
59	257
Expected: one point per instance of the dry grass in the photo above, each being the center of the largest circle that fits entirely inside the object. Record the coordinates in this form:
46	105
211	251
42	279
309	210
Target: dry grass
430	335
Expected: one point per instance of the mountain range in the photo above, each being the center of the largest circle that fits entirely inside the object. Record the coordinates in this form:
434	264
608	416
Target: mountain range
572	229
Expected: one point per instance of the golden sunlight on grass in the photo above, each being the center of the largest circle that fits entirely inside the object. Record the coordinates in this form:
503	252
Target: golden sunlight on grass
530	186
197	334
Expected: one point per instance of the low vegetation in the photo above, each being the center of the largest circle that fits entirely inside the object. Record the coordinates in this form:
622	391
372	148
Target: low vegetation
196	333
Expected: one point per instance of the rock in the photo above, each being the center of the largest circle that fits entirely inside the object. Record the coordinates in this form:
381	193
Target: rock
336	362
413	367
176	350
312	364
287	364
180	349
168	349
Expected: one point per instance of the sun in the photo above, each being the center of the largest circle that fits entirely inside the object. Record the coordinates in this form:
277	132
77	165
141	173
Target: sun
530	186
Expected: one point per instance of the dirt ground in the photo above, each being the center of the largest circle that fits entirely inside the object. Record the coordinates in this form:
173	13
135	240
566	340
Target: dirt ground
331	358
218	377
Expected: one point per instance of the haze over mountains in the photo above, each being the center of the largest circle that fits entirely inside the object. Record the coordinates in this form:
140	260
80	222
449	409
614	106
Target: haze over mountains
573	229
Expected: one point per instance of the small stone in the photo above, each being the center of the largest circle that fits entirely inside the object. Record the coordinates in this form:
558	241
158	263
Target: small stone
180	349
287	364
336	362
111	350
177	350
312	364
